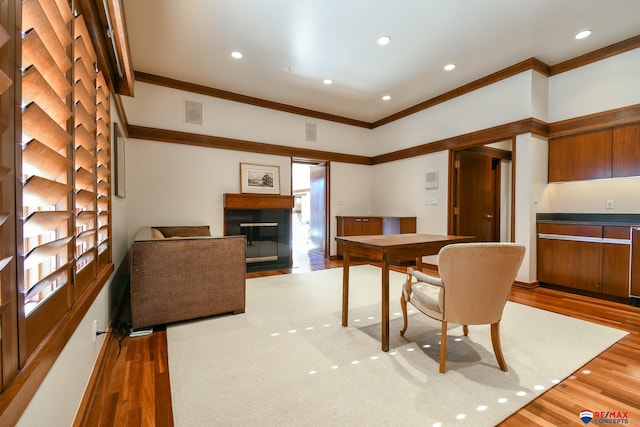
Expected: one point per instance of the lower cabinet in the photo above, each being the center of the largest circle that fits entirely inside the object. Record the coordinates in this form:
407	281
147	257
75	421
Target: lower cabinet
589	258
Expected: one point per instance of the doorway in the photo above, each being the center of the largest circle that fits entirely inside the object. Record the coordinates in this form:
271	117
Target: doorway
309	185
481	192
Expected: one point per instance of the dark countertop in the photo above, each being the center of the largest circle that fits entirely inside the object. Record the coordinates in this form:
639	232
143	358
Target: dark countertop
623	220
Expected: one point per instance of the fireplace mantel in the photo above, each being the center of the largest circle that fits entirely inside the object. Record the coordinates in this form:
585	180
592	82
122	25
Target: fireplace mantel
257	201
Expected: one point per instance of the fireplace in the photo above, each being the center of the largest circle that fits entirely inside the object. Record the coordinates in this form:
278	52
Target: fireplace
265	221
262	240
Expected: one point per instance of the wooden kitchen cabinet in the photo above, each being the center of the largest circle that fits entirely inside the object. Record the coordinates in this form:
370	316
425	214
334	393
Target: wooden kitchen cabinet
372	225
635	264
607	153
593	258
359	226
570	263
581	156
626	150
616	262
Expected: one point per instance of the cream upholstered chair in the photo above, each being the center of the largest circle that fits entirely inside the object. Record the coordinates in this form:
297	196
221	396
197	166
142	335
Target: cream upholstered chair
474	284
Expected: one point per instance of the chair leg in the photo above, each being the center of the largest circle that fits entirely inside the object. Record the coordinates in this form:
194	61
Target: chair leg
497	349
443	346
465	330
403	305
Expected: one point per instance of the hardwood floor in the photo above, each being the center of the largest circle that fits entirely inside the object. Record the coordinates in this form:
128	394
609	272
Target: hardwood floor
134	390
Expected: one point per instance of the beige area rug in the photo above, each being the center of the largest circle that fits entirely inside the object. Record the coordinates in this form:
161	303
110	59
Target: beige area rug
287	361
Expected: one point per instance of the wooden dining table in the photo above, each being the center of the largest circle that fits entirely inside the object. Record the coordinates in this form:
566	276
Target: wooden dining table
386	249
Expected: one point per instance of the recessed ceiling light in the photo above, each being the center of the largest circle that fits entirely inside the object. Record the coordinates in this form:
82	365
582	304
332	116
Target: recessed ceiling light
386	98
384	40
449	67
327	81
236	54
583	34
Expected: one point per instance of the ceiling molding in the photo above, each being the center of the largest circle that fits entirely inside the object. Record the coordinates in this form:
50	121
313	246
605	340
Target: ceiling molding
597	55
232	96
604	119
162	135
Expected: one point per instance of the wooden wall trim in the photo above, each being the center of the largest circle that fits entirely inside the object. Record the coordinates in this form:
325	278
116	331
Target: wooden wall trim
529	64
231	96
153	134
16	397
596	55
485	136
604	119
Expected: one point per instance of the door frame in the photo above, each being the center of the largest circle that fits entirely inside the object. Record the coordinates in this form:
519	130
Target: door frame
495	152
327	198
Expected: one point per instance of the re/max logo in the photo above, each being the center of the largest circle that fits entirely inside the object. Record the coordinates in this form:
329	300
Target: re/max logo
611	414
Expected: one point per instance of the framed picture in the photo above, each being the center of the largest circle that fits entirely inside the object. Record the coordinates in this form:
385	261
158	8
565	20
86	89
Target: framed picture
262	179
119	157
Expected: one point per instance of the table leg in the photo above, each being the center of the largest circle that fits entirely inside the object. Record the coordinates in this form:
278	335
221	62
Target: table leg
419	263
385	304
345	287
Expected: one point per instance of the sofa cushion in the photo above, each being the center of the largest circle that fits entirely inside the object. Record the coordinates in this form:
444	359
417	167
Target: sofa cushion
195	231
156	234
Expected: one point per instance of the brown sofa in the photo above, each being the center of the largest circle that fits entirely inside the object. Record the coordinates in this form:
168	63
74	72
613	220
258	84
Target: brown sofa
182	273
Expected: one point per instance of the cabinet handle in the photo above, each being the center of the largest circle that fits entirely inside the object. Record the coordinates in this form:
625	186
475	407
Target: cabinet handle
365	220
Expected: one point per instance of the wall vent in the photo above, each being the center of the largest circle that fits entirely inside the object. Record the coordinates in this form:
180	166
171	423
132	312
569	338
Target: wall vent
193	112
310	132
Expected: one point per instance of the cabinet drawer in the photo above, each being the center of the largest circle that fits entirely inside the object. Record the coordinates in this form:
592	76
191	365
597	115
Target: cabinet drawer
617	232
571	230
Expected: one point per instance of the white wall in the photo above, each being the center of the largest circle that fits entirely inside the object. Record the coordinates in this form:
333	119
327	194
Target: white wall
608	84
163	108
604	85
400	191
351	187
530	197
184	185
591	196
503	102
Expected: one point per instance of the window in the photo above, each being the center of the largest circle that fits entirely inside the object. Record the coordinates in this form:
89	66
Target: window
66	159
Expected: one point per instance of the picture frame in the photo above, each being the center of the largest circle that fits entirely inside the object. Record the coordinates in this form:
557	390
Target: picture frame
260	179
119	155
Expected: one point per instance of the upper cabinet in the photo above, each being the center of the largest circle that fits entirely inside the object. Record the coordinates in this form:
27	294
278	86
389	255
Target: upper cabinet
607	153
626	150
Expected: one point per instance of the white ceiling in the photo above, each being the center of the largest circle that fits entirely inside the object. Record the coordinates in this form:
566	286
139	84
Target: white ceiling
191	40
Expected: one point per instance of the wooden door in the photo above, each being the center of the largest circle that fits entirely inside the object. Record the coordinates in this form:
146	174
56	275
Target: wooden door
318	209
477	195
